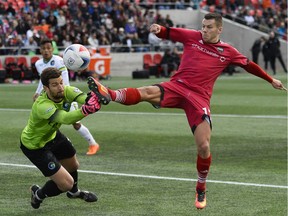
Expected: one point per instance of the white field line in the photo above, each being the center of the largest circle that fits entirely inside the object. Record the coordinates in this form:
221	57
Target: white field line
157	177
167	114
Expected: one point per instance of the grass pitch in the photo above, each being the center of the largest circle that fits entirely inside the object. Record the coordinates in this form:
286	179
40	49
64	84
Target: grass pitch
146	164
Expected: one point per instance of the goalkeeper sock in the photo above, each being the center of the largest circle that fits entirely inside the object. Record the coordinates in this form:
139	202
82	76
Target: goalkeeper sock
126	96
203	166
75	186
50	189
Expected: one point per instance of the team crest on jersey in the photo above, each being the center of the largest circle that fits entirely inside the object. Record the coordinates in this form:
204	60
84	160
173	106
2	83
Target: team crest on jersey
66	106
220	49
52	62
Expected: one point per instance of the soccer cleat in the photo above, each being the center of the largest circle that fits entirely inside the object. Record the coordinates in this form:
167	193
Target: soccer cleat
35	202
92	149
85	195
200	201
100	90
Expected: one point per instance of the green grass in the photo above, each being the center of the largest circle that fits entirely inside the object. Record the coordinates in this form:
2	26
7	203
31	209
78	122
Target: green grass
159	143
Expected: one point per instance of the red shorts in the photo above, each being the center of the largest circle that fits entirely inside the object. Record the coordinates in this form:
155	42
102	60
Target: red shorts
178	95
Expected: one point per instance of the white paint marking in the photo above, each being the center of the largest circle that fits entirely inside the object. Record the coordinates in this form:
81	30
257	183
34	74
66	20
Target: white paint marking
158	177
168	114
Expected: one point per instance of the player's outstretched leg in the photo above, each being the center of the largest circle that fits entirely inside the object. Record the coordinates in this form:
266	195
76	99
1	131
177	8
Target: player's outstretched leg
200	201
100	90
35	202
85	195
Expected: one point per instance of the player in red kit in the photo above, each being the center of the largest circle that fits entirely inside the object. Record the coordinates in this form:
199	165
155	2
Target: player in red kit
204	58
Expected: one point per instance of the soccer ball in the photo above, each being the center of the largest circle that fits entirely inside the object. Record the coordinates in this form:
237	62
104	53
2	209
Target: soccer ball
76	57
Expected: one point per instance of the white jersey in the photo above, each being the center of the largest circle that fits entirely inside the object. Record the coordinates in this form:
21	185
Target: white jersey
55	61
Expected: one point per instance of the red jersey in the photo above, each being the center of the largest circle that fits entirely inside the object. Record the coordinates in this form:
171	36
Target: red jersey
201	62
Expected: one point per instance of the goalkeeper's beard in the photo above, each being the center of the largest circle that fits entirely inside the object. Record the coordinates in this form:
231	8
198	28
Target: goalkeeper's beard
58	96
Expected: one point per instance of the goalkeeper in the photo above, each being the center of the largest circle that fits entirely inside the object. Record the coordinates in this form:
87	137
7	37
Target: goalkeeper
46	147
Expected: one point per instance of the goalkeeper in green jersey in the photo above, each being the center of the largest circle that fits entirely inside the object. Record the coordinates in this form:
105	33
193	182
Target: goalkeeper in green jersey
46	147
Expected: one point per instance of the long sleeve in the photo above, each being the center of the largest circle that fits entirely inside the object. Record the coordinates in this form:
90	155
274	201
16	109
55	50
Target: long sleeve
63	117
256	70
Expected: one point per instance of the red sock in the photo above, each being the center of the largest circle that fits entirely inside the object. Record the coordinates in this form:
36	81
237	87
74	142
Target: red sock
203	166
126	96
112	94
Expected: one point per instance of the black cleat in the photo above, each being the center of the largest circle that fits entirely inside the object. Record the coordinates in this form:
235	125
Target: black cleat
35	202
85	195
100	90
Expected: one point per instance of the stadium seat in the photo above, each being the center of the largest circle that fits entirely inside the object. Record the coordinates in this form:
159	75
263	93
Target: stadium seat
157	58
26	71
147	61
33	68
2	73
12	69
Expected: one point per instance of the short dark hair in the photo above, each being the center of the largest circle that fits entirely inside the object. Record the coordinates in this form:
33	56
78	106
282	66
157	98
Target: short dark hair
49	73
216	16
44	41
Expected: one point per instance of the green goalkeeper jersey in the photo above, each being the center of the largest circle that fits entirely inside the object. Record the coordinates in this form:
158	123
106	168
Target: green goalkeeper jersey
46	117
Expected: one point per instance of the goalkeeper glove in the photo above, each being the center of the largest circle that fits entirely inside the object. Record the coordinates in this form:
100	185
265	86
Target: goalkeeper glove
91	104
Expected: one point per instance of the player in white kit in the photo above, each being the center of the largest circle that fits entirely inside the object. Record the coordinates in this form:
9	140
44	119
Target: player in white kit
50	60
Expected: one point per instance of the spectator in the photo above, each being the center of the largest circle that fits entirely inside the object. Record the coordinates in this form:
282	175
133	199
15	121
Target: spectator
22	27
282	30
266	53
104	41
249	18
67	41
169	22
115	40
275	52
93	41
52	20
169	62
121	35
256	48
2	9
137	41
130	27
61	19
10	10
55	42
143	32
31	46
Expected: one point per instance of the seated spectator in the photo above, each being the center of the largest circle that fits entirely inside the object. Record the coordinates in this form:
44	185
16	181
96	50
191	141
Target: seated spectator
130	27
67	41
93	41
143	32
31	46
170	62
61	19
115	40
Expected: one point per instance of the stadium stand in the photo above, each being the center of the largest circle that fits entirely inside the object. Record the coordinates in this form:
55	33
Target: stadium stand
22	20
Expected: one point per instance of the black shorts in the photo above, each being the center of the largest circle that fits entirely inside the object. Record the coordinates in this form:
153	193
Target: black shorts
47	158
